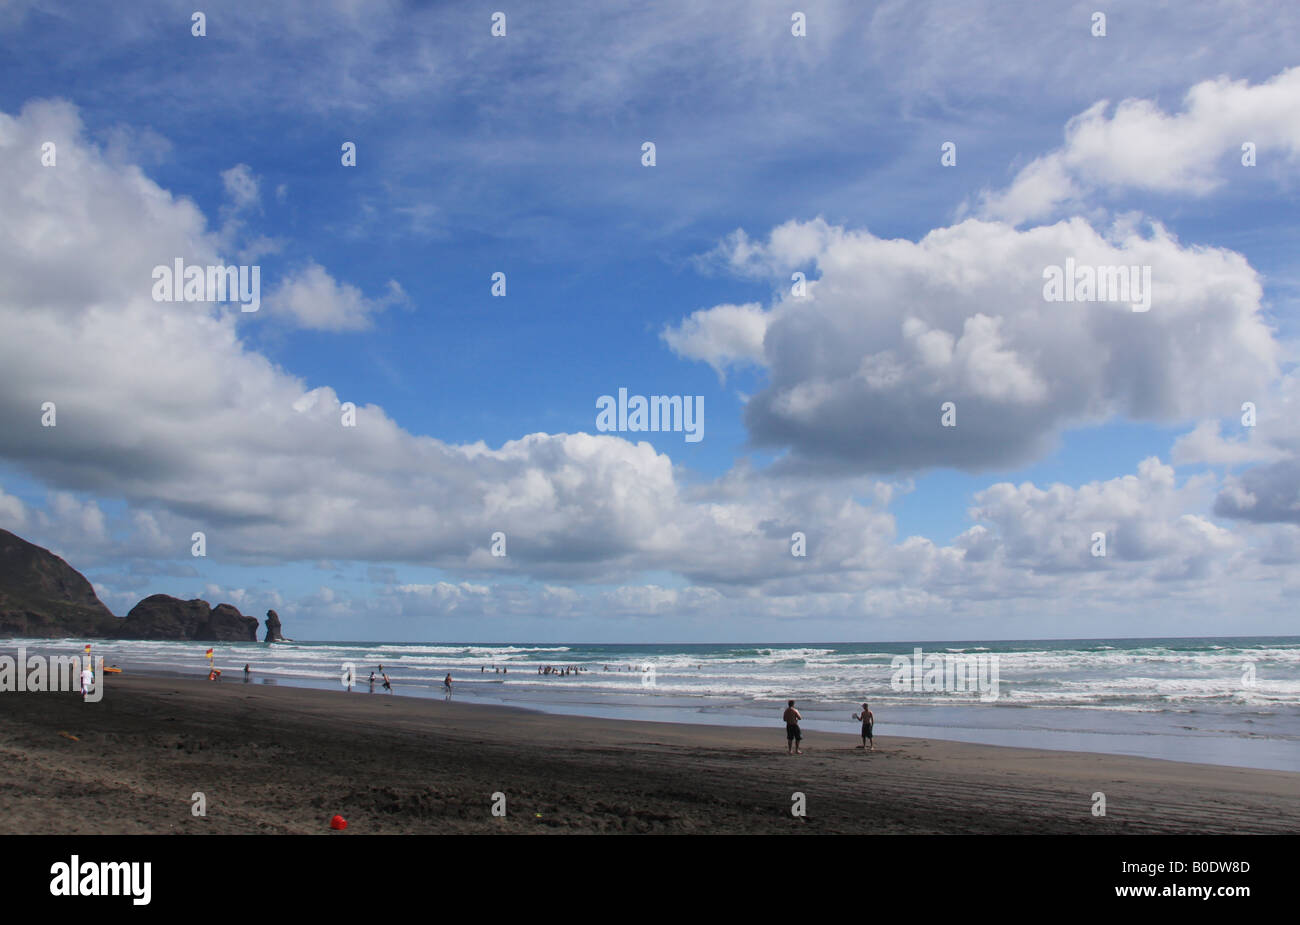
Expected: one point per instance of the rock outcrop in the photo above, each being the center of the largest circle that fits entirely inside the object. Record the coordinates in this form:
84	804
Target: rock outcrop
43	596
273	627
161	616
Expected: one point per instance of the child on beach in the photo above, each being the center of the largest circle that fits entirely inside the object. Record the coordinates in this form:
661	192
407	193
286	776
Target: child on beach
868	720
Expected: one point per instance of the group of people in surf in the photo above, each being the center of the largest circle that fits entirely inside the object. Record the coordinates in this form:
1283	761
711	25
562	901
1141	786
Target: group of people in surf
388	682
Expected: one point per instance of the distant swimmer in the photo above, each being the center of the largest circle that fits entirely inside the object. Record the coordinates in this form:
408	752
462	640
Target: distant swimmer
868	720
792	734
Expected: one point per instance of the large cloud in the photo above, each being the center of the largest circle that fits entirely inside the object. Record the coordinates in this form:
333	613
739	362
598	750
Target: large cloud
164	405
859	369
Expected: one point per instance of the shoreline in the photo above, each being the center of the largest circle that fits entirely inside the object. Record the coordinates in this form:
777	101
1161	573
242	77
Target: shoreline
275	758
1247	738
918	721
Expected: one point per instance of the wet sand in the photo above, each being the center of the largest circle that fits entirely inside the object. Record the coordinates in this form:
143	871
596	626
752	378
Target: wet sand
284	760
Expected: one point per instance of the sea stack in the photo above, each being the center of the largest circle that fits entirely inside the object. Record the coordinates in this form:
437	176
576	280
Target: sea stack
273	627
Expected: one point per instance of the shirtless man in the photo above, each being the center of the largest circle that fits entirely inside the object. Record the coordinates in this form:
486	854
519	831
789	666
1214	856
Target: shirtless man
868	720
792	735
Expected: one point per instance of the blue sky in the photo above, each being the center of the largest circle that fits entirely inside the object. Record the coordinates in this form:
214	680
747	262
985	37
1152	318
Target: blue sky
775	153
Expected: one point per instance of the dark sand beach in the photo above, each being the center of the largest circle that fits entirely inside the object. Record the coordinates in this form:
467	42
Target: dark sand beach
284	760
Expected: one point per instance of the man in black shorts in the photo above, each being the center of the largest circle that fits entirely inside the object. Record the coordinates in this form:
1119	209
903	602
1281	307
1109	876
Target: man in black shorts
792	734
868	721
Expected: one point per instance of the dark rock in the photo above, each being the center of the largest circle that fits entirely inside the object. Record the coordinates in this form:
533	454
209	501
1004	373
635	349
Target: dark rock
162	616
228	624
43	596
273	627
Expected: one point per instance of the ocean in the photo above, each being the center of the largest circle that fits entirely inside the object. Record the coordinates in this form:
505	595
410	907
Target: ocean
1223	700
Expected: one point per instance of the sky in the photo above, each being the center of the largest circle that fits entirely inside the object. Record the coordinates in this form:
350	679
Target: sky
823	226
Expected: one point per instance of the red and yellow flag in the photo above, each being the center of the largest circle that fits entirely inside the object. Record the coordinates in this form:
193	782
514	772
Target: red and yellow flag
209	653
87	648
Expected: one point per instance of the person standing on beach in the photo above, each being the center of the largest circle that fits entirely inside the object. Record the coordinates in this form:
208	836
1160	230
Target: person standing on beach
87	679
246	672
793	737
868	720
446	685
372	682
387	685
